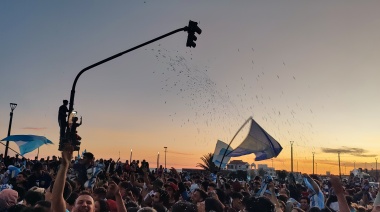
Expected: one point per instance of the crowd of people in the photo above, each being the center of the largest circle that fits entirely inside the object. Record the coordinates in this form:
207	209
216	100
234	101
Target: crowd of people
84	184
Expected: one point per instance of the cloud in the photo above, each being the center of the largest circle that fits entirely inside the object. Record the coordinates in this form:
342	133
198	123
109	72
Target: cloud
359	152
179	153
34	128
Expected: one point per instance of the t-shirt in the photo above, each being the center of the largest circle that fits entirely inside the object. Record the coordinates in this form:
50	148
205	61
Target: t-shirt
317	199
83	173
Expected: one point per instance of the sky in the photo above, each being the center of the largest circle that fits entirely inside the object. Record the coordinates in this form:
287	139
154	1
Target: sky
306	71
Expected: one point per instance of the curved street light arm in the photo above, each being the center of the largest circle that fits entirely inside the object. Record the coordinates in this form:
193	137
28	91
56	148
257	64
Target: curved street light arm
72	95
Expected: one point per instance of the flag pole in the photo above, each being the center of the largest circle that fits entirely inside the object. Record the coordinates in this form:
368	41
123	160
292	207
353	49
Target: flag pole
220	165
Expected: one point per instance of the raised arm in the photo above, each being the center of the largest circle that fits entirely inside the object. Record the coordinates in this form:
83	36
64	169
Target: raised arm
314	185
115	191
58	202
338	189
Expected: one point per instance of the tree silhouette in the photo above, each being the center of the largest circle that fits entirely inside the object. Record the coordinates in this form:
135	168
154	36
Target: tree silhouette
207	164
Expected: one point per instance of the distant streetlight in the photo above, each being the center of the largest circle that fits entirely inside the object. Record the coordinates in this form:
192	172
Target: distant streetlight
340	173
13	106
165	155
291	156
376	170
158	160
313	161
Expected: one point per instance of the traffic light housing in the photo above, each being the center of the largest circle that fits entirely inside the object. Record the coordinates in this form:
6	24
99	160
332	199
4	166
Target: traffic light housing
191	30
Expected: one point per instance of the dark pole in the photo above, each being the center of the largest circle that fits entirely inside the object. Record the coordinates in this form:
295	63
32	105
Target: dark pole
12	150
376	170
340	174
165	155
313	161
316	168
291	156
13	106
72	95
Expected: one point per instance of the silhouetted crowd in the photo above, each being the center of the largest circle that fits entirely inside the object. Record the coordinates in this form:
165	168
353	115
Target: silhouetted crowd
85	184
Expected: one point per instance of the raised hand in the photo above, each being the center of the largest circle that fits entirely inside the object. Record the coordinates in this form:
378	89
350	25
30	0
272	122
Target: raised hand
67	154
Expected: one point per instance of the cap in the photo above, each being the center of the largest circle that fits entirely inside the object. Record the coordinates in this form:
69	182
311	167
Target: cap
172	185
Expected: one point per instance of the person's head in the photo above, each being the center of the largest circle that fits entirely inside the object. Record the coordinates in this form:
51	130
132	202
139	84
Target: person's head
159	207
21	177
8	198
75	119
212	204
184	206
43	204
161	196
283	197
237	200
171	188
157	184
314	209
88	158
253	204
284	191
38	168
84	203
71	201
198	195
211	187
65	102
99	194
305	203
21	192
101	206
32	197
66	191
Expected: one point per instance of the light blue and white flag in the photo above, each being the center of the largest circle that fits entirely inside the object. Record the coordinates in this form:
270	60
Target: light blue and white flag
90	183
28	143
220	150
259	142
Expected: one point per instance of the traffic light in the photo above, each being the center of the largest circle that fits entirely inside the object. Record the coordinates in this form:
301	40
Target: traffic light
191	30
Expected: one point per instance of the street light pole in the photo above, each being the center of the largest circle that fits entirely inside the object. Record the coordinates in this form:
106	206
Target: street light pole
191	29
13	106
376	170
165	155
340	174
316	168
291	155
313	161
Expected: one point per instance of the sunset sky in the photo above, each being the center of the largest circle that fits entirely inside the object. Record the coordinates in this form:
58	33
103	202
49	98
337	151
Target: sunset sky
306	71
